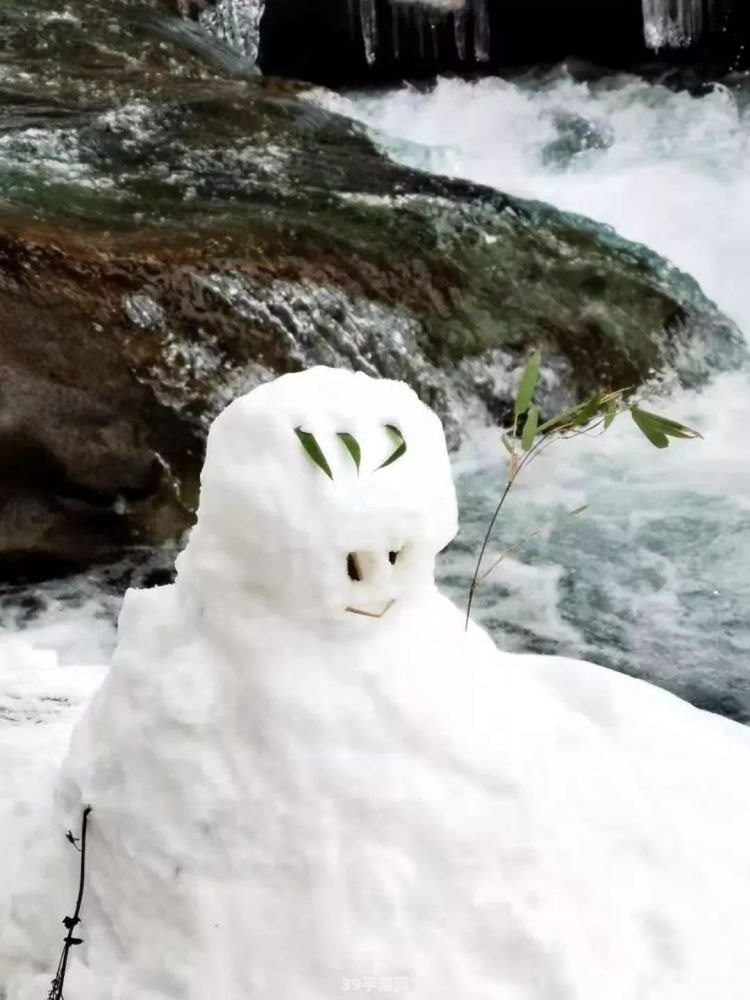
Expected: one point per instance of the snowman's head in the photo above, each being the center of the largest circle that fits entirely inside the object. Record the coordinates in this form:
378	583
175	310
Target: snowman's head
324	495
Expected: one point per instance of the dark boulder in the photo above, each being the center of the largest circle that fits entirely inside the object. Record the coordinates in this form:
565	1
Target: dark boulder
576	136
85	450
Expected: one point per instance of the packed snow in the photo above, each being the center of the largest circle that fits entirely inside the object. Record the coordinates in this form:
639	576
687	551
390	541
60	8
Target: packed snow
40	701
308	778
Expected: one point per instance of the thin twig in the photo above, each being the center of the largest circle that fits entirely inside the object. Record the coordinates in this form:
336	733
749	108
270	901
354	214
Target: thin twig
516	469
58	983
485	543
528	538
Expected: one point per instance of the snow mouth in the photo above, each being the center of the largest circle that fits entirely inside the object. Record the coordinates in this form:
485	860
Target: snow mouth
372	614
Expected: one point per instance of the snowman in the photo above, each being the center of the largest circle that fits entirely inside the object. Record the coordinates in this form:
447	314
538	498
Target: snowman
308	779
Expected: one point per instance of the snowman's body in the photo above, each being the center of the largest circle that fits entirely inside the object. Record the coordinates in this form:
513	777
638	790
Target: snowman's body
307	779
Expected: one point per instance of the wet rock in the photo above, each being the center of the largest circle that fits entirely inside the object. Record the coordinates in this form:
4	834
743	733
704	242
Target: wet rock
192	8
251	232
576	135
90	463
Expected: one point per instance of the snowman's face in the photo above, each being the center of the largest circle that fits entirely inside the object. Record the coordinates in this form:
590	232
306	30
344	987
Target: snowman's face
325	495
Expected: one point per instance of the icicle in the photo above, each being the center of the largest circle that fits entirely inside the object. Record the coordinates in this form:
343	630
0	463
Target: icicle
459	32
481	30
672	23
433	24
420	21
237	24
368	16
427	17
396	31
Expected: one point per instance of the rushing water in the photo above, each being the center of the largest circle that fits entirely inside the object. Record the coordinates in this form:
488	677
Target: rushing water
654	578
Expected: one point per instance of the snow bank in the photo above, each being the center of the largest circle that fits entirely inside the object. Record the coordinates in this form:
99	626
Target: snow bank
307	779
39	704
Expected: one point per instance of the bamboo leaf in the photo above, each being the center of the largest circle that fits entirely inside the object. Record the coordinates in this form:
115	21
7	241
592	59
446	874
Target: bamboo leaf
575	416
352	446
649	430
400	450
671	427
528	384
559	420
313	449
610	413
615	394
588	411
530	428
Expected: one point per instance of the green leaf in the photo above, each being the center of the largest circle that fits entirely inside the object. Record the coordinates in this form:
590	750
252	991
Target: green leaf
530	428
559	420
400	449
671	427
576	416
645	425
352	446
588	411
610	414
528	384
313	449
507	444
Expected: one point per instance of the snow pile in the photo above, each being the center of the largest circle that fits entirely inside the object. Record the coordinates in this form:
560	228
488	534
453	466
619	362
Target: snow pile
308	779
39	704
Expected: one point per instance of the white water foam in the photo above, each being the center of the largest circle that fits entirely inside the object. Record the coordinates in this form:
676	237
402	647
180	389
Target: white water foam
653	578
670	171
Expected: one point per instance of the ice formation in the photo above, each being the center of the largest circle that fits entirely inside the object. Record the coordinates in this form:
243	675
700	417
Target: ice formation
425	18
672	23
307	778
237	24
